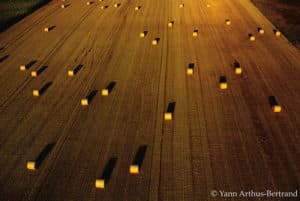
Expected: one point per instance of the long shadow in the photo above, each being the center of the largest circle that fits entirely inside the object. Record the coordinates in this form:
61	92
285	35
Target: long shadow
140	155
223	79
91	95
236	64
107	172
111	86
171	107
45	87
77	69
67	5
145	32
272	101
3	58
42	69
30	64
52	27
42	156
191	66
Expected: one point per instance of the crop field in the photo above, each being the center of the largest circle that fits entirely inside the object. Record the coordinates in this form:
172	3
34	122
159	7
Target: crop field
138	100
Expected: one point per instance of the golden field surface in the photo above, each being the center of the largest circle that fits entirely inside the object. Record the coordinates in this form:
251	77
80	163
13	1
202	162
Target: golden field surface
216	139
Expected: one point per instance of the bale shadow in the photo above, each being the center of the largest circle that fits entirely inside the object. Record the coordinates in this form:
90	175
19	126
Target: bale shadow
222	79
91	95
77	69
171	107
67	5
45	87
191	66
52	27
111	86
42	156
30	64
145	33
272	101
140	155
236	65
42	69
3	58
107	172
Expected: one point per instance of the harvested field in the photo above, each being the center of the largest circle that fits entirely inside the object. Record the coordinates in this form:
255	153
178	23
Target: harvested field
114	116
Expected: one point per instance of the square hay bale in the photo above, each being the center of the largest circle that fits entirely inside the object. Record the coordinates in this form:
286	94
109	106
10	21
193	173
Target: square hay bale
23	68
170	24
154	42
31	165
276	108
223	85
70	73
134	169
35	92
33	74
100	183
190	71
261	31
84	102
223	82
251	38
142	35
168	116
195	33
238	70
104	92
